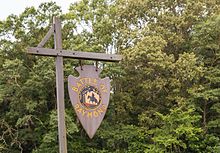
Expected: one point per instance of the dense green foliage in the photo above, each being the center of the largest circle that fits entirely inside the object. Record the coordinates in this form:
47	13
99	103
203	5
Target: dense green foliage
165	93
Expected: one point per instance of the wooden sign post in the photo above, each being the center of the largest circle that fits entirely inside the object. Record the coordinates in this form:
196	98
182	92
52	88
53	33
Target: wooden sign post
59	53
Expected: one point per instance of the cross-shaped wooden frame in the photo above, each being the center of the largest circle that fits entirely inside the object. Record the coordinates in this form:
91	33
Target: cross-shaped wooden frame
59	53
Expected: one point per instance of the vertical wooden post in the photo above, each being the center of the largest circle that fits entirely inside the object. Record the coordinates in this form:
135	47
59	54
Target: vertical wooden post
60	87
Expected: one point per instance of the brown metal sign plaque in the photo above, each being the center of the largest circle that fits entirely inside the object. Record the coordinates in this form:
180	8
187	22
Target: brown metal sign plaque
89	96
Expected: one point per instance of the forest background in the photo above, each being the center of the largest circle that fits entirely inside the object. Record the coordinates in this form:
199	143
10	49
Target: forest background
165	93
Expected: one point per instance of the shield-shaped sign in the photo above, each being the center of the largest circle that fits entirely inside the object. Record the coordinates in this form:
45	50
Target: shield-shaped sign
89	96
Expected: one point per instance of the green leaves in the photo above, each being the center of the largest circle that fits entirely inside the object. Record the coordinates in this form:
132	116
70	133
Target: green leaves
175	130
49	140
165	92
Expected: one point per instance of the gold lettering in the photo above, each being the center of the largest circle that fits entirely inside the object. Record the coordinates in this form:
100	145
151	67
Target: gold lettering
94	81
86	80
81	80
89	114
102	86
79	110
83	112
100	110
104	107
78	84
74	89
95	114
76	106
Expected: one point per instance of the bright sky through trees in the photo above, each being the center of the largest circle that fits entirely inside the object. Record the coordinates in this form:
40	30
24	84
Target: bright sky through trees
17	6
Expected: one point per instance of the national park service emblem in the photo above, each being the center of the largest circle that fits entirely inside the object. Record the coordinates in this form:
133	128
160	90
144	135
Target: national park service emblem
89	96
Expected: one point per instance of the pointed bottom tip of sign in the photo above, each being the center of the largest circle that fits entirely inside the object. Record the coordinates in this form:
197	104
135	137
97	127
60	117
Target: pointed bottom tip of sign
91	136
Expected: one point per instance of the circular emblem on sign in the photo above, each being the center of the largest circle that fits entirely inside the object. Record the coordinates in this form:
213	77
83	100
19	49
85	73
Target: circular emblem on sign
90	97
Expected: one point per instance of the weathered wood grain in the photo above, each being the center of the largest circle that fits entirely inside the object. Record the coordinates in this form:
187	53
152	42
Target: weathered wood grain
75	54
60	88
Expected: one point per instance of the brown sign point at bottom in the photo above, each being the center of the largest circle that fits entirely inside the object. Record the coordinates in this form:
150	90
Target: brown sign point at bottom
89	96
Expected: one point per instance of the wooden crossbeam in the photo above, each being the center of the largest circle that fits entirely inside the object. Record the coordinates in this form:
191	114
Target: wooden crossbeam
75	54
59	54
